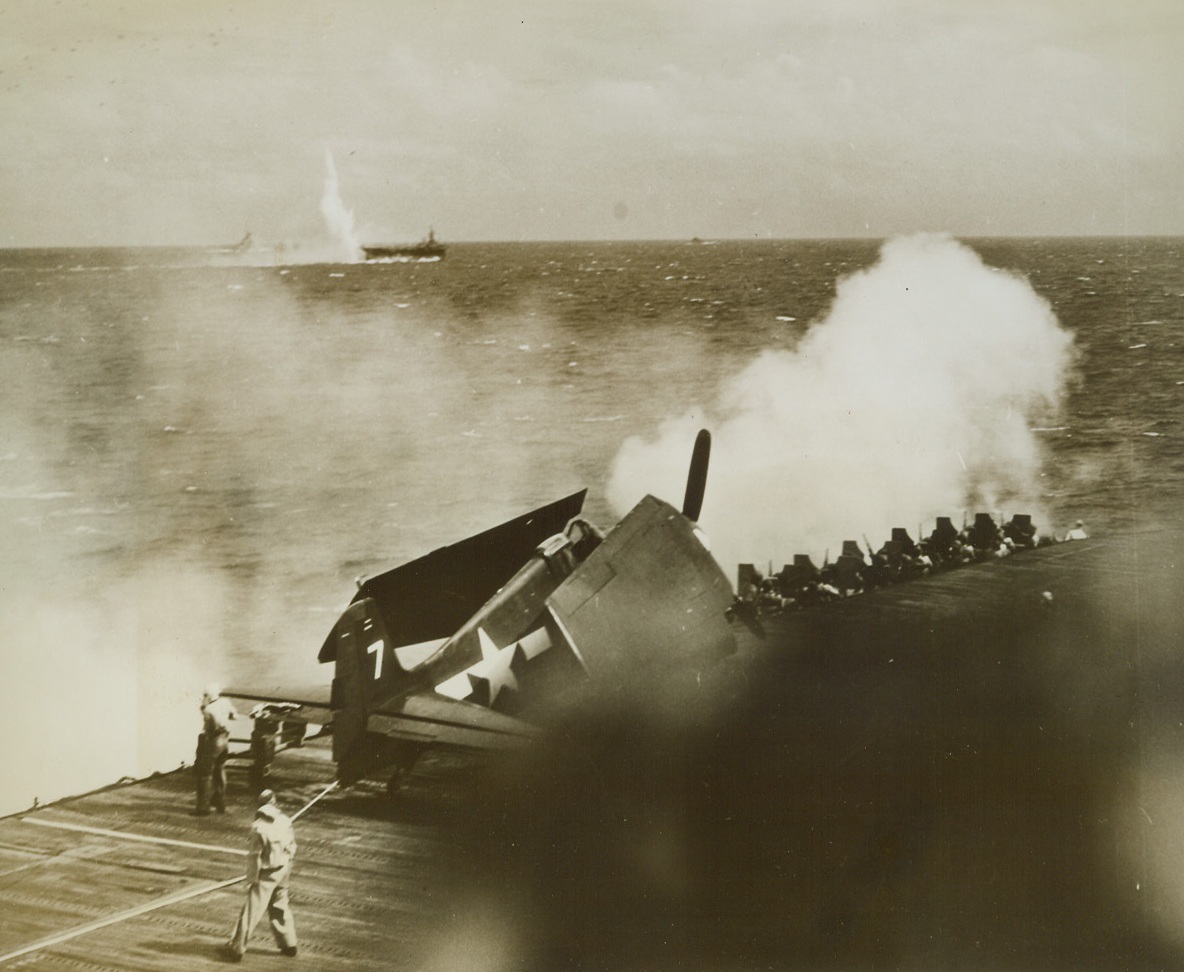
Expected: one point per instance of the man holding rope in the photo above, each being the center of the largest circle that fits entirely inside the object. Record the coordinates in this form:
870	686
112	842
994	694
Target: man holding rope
272	852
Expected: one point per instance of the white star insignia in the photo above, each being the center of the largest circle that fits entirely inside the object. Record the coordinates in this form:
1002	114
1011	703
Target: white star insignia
498	669
494	672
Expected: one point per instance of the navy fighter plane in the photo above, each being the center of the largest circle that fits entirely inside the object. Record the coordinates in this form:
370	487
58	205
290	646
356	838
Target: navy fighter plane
530	611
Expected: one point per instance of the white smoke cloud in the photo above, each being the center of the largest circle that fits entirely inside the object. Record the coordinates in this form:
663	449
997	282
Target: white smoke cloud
338	219
103	681
915	397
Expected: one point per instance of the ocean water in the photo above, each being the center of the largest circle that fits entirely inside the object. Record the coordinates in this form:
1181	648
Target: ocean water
200	453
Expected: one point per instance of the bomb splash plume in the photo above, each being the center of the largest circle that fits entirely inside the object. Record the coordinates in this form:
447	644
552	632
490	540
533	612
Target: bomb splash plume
338	219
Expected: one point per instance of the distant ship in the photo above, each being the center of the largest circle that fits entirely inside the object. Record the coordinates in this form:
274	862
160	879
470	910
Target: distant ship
429	249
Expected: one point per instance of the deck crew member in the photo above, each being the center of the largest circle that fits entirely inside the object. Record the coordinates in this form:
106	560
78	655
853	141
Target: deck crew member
272	851
213	747
1078	532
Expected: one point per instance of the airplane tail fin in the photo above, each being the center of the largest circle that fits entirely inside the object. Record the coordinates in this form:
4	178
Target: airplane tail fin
365	673
421	601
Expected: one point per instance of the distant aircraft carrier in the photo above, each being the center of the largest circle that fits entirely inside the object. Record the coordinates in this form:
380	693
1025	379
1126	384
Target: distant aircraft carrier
429	249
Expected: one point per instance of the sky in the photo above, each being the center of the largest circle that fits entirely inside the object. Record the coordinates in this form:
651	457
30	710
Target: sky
169	122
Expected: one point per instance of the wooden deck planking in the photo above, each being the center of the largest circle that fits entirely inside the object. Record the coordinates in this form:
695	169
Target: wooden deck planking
368	881
362	884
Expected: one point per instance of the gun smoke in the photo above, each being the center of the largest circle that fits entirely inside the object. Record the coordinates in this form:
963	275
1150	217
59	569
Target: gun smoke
915	397
197	464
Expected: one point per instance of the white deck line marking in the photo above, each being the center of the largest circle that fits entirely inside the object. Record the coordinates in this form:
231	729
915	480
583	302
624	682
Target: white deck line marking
127	835
143	909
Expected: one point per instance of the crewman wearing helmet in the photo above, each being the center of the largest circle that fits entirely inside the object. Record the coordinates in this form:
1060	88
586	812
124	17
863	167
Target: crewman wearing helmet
213	747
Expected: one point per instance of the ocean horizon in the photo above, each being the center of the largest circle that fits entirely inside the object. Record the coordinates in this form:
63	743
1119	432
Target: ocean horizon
201	452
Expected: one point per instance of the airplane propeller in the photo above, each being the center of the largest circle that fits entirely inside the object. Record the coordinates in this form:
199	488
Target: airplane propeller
692	503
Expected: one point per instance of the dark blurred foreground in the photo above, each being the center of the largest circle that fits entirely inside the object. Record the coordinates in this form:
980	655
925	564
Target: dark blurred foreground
942	776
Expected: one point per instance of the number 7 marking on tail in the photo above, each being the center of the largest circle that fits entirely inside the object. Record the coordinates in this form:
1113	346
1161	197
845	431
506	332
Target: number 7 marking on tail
376	649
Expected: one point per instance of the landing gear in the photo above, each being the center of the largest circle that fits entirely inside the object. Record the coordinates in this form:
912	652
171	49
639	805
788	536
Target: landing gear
394	785
400	756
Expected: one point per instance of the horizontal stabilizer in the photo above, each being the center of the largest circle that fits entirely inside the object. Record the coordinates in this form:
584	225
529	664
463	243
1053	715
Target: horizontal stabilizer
435	719
431	597
301	704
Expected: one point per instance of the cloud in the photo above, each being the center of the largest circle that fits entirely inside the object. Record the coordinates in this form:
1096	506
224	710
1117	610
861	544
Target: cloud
490	121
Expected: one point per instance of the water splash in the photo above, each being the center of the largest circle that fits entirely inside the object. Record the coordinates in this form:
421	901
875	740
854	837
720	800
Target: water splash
338	219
